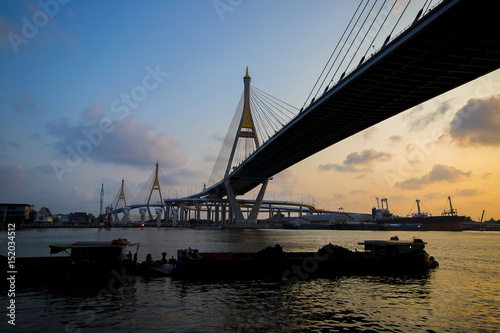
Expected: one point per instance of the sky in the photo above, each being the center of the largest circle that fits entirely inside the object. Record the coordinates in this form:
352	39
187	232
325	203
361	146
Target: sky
94	92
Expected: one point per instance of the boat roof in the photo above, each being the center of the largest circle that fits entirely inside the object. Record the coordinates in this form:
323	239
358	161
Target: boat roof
392	242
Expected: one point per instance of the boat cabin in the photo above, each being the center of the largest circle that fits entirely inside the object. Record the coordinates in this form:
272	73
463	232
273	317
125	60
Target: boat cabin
394	247
113	252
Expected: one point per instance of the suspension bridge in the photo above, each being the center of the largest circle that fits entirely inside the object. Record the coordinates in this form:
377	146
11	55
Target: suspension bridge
446	46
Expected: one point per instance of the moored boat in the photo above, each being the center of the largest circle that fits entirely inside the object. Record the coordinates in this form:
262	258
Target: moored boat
393	256
81	264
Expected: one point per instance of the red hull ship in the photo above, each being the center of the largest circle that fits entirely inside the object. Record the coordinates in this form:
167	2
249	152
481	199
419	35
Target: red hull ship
448	221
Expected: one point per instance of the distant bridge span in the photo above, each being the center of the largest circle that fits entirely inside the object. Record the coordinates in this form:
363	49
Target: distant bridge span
455	43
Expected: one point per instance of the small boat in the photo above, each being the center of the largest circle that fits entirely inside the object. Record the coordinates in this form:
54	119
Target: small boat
392	256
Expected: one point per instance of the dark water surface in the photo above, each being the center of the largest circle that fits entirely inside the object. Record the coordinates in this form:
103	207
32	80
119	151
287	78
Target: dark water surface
462	295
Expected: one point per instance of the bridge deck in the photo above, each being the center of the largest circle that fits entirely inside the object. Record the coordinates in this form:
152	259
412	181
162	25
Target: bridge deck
454	44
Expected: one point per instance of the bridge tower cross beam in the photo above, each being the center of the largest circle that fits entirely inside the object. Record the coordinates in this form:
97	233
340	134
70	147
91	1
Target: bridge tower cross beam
246	130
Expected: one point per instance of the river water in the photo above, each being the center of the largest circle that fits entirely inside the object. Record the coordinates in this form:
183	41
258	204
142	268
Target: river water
462	295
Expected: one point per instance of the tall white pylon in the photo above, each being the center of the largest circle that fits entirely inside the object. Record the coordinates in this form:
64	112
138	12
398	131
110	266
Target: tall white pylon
101	207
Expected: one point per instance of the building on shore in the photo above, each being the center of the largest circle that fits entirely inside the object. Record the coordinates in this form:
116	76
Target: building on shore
61	219
78	218
11	212
44	215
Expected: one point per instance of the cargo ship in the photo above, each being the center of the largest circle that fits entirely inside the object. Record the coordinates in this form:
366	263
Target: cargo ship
449	220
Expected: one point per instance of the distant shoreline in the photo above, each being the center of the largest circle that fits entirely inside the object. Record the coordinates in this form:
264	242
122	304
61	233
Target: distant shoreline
468	227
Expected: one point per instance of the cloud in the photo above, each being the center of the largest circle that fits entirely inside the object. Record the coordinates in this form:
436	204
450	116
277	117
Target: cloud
419	118
11	144
85	194
125	141
12	179
367	134
51	32
44	169
477	123
438	173
25	103
218	136
366	157
357	162
95	112
15	145
358	192
468	192
395	139
485	175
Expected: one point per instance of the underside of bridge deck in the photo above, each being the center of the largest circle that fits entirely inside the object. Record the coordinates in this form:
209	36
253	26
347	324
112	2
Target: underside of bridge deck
456	43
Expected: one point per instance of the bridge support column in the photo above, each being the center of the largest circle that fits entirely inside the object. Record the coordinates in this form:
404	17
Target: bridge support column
236	209
217	219
209	212
159	211
254	214
143	214
175	216
181	212
231	216
223	213
233	203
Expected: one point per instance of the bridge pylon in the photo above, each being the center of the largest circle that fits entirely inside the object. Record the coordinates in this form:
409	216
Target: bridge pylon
246	131
155	187
120	197
120	200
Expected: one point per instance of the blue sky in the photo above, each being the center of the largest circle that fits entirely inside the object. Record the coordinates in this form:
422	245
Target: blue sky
161	80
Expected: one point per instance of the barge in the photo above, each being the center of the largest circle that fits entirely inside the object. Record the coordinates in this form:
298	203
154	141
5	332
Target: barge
392	256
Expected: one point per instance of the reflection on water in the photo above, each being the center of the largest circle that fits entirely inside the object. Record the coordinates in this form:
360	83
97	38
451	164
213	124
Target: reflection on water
361	303
463	295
